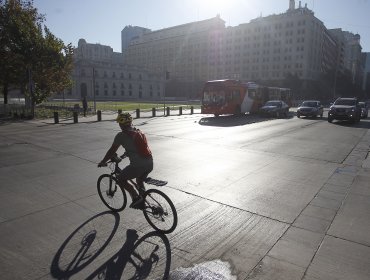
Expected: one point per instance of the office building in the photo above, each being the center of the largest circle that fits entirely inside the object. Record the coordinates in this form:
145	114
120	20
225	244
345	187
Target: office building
129	33
265	50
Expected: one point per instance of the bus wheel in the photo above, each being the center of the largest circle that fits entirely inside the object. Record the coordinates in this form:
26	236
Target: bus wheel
217	115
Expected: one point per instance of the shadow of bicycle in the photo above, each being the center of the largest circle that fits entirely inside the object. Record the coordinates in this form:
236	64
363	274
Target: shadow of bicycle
84	245
146	258
149	256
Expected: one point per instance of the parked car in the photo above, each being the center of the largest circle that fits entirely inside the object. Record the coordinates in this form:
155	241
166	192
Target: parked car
310	108
275	108
345	109
364	109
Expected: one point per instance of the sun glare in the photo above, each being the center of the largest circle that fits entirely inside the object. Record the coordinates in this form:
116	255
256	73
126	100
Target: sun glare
216	6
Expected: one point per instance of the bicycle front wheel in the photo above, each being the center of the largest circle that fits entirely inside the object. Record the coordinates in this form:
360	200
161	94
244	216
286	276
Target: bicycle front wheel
111	193
159	211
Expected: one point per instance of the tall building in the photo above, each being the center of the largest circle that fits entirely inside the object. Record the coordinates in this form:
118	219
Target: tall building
366	80
350	54
129	33
267	49
182	50
101	74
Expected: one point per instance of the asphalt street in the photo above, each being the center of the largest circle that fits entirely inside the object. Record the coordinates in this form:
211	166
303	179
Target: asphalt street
257	198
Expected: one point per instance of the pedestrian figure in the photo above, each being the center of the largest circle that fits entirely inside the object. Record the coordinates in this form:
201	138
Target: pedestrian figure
84	105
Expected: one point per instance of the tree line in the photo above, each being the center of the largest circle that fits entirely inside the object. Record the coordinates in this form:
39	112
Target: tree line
32	58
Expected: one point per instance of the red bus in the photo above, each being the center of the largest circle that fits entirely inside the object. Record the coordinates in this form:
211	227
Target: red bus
220	97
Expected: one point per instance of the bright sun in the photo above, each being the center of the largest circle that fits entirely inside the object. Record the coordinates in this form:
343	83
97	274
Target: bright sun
216	6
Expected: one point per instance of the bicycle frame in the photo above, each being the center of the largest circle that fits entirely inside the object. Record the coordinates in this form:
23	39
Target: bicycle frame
117	170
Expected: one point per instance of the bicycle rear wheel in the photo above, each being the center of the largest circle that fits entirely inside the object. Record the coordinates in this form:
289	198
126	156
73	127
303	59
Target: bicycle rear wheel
159	211
111	193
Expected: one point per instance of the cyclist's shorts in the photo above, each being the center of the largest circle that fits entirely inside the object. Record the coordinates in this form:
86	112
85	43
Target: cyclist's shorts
132	172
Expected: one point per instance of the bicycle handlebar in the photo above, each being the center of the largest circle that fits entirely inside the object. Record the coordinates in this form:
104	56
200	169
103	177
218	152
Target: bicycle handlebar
115	159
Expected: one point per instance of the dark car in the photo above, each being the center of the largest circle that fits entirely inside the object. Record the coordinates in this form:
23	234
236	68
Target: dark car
310	108
364	109
275	108
345	109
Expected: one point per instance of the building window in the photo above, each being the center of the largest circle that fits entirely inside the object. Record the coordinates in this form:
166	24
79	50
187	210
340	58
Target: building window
105	74
114	92
140	77
130	93
122	76
97	92
140	94
122	92
114	75
129	76
105	92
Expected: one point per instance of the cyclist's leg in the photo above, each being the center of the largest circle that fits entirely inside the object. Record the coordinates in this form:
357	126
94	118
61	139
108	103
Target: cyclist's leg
145	170
126	174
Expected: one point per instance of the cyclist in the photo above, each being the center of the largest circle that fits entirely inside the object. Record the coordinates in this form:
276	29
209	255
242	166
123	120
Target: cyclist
141	163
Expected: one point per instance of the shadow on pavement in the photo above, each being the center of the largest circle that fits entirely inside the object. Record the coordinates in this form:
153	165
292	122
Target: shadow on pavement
84	245
231	120
362	124
138	259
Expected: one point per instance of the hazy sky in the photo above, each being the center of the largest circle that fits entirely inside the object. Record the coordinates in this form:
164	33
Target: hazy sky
101	21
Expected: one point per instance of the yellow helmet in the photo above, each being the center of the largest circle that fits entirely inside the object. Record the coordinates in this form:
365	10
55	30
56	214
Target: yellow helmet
124	118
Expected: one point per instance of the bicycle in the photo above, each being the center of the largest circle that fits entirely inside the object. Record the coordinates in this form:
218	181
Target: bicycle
158	209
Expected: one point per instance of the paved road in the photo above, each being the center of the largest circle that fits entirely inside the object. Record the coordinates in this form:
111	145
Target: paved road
257	199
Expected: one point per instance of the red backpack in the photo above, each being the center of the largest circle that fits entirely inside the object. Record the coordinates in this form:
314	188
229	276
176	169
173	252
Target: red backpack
140	142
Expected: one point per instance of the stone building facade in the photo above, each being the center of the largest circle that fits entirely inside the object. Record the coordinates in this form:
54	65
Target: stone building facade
101	74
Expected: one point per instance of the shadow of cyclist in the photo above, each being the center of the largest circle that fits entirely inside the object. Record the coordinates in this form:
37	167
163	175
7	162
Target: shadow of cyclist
148	257
84	245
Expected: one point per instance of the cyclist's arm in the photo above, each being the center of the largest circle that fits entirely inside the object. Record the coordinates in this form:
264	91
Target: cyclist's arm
110	153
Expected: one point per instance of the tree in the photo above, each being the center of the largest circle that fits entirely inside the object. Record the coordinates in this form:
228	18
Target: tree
30	54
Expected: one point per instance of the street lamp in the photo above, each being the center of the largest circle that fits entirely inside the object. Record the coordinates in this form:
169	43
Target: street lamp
167	77
93	76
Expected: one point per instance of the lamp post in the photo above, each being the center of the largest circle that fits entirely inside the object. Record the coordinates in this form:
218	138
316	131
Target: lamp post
93	78
167	76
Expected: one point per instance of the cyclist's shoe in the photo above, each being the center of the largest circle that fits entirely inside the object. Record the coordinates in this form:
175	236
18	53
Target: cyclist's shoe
137	203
